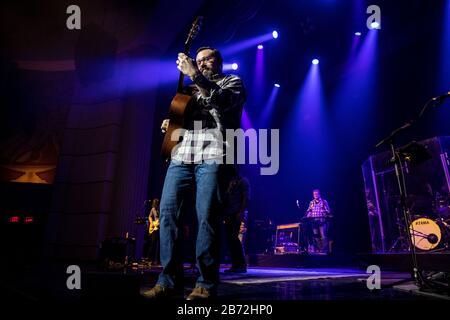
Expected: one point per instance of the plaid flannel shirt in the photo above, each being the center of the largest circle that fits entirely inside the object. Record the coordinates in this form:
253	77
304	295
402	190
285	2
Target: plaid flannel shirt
319	209
224	104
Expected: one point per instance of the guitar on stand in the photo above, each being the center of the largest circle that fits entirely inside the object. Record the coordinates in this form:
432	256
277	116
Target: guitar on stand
180	105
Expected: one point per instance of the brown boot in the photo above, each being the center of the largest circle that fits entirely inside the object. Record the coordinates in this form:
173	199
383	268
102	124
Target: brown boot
158	292
201	293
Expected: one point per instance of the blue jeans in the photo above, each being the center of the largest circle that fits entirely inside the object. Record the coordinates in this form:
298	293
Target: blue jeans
179	179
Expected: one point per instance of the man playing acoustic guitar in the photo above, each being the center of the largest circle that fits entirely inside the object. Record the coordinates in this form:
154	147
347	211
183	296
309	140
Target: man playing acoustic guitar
218	103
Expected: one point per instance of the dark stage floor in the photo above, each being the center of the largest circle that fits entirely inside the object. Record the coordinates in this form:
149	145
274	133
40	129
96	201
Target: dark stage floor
259	283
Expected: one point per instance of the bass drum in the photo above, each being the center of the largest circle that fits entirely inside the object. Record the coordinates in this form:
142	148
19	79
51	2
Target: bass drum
425	234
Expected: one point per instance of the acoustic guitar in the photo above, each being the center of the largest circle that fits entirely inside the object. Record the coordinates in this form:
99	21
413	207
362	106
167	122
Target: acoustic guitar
180	105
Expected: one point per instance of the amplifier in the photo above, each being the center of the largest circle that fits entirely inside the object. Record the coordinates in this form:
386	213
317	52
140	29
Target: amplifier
287	238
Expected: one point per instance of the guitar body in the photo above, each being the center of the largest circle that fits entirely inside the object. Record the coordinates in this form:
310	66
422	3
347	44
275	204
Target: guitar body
179	108
153	227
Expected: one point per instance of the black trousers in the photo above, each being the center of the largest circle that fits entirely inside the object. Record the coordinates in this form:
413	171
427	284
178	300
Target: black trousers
232	226
153	253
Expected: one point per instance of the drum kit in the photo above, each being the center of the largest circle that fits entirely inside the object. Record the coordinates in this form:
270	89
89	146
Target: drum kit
431	232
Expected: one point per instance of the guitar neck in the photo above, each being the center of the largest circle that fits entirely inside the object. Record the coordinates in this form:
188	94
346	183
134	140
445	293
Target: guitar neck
187	48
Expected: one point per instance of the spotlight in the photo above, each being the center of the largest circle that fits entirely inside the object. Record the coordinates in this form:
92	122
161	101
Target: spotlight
234	66
260	46
275	34
358	34
374	25
315	61
277	85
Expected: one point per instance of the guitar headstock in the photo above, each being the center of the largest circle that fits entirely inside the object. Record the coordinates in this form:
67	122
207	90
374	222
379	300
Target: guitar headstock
195	28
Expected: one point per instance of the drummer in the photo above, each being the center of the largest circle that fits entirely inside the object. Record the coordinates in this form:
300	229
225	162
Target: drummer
318	212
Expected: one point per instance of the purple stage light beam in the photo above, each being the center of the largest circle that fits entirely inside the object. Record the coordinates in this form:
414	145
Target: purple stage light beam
268	108
305	130
310	103
355	42
135	75
356	97
246	123
146	74
258	80
245	44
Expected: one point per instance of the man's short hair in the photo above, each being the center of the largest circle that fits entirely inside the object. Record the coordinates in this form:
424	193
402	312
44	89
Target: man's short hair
216	53
316	190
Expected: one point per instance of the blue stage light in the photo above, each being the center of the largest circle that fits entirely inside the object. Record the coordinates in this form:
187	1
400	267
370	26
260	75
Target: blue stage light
374	25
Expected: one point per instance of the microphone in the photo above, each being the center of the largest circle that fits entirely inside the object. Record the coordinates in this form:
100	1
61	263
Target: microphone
298	204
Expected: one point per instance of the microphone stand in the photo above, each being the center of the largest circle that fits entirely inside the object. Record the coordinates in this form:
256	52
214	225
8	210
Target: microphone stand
417	275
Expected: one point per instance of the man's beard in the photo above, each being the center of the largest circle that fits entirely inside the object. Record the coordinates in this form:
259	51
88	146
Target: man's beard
208	73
